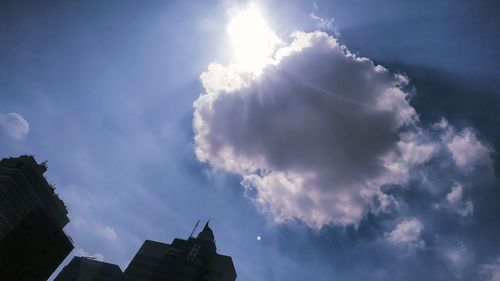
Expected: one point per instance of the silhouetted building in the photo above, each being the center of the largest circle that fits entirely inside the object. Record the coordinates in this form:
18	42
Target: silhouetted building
87	269
32	242
195	259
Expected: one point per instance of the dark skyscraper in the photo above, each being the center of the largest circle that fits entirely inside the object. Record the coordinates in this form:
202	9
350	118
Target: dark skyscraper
87	269
195	259
32	242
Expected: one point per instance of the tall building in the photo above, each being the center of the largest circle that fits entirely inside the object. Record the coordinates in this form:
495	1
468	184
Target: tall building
195	259
88	269
32	242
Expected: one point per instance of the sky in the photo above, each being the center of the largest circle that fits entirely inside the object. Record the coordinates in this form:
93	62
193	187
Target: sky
356	139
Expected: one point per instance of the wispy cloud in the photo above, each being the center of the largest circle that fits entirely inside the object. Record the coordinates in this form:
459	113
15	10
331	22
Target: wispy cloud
492	270
407	233
92	228
14	125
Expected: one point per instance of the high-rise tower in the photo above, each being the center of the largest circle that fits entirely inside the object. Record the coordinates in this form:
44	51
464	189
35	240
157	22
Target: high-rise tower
32	242
88	269
194	259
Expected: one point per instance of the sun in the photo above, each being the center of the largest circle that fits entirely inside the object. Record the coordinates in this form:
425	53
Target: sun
253	42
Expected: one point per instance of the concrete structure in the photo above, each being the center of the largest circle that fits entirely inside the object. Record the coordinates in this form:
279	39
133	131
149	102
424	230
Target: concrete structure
195	259
32	242
88	269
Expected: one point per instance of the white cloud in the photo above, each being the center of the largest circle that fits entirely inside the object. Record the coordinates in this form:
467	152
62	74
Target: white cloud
468	151
325	24
415	153
109	233
315	129
456	203
455	194
492	270
82	253
14	125
319	132
407	233
457	256
94	229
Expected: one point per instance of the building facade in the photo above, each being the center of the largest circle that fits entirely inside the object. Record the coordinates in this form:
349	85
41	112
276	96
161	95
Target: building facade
194	259
88	269
32	217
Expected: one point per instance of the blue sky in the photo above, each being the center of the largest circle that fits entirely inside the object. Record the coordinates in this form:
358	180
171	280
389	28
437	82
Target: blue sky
105	91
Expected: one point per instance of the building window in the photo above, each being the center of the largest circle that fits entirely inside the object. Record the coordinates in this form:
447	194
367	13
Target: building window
194	251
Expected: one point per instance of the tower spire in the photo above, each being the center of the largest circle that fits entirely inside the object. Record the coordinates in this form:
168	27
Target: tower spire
206	233
194	228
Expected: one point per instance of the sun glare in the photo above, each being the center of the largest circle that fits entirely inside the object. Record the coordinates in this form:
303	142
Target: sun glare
252	40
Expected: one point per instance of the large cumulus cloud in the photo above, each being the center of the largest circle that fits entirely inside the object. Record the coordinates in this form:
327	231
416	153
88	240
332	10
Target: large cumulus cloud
320	132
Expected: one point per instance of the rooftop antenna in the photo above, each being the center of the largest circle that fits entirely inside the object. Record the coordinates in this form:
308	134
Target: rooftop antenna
194	229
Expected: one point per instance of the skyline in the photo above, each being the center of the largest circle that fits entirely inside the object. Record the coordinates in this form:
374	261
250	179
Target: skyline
306	168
